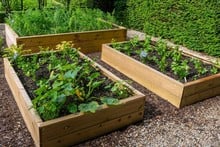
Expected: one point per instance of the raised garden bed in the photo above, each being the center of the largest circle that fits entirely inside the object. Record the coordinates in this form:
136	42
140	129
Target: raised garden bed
84	27
77	127
176	90
88	41
202	56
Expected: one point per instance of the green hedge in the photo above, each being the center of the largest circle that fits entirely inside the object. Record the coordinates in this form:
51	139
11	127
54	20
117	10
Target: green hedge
2	16
194	24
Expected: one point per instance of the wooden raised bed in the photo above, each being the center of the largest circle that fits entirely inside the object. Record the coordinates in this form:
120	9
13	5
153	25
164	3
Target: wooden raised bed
177	93
202	56
88	41
74	128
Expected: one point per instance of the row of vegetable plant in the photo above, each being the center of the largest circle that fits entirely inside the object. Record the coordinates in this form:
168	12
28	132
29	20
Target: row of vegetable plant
61	83
38	22
170	61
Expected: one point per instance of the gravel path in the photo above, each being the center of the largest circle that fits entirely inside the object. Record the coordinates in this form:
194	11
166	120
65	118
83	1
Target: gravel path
163	124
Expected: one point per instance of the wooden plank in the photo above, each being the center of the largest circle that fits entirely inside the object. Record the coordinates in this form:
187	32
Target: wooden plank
10	36
85	47
65	128
75	36
72	123
81	39
201	85
96	130
88	41
162	85
207	93
30	118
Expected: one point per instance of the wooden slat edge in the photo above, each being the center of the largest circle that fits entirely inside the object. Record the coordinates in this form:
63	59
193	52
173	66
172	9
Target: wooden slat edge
10	36
137	71
201	85
24	104
208	93
97	130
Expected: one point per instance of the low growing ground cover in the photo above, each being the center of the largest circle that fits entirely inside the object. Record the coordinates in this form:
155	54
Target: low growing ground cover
166	60
61	83
38	22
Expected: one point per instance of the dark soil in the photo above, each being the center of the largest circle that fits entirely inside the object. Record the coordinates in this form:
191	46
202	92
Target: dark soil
193	72
163	124
42	73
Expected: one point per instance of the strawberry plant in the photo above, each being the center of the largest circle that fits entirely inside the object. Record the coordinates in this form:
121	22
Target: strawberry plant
66	83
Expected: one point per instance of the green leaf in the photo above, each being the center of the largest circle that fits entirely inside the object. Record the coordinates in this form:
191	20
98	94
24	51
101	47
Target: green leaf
94	75
72	73
61	99
57	84
89	107
72	108
97	84
109	101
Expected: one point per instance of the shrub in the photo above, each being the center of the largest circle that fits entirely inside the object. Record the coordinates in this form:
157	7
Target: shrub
194	24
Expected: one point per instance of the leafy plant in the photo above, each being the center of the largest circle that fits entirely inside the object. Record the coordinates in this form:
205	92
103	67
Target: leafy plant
67	83
46	21
198	66
181	69
179	21
164	59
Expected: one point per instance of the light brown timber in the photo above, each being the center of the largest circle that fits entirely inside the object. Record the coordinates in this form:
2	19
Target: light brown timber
74	128
177	93
88	41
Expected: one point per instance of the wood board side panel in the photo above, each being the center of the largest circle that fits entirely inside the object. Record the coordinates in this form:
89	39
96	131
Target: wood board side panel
10	36
201	85
19	93
144	75
201	89
96	130
80	39
63	126
208	93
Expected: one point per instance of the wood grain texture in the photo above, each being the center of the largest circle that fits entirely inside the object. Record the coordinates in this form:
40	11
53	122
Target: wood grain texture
153	80
10	36
177	93
96	130
23	101
74	128
88	41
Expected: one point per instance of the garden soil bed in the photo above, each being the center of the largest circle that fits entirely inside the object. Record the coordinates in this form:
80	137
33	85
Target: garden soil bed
87	41
177	93
163	124
200	55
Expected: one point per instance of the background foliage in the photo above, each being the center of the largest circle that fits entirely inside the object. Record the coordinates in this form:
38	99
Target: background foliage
194	24
46	21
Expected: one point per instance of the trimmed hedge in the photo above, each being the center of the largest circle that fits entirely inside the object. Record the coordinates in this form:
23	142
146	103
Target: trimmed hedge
2	16
194	24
